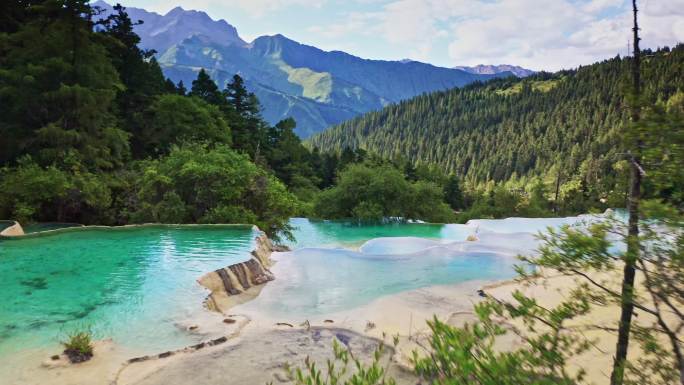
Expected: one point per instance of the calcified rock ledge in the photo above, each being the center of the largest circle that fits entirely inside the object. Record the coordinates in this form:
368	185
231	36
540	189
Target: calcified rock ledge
14	230
75	228
240	282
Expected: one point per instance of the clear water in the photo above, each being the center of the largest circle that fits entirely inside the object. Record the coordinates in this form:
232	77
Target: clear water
337	265
314	281
337	234
131	284
138	285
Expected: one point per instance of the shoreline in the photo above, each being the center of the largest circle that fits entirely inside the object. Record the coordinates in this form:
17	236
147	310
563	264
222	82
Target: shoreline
114	364
119	227
276	341
451	302
47	361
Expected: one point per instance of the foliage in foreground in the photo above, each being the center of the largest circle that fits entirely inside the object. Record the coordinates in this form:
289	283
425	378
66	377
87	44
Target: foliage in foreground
467	355
588	255
337	371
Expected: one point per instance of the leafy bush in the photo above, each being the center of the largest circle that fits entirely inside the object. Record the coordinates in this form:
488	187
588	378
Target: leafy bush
198	183
338	370
373	192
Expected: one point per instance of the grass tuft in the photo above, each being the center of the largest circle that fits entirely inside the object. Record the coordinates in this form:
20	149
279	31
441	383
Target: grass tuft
79	346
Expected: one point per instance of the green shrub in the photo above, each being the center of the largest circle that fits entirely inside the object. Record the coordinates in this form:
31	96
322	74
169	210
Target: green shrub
337	371
79	346
373	192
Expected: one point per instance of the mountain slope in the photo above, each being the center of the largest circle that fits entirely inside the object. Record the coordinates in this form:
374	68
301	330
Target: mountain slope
513	127
496	69
317	88
160	32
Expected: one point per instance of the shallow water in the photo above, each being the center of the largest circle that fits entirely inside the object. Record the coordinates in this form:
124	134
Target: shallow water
337	266
131	284
314	281
341	234
138	285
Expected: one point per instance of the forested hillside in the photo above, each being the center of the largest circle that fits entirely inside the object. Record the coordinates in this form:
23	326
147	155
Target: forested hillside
92	132
561	127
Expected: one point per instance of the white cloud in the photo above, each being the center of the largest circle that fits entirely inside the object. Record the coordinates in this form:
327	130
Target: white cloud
258	8
255	8
539	34
601	5
557	34
353	23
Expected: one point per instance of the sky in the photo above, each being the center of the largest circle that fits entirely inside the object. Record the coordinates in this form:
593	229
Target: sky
536	34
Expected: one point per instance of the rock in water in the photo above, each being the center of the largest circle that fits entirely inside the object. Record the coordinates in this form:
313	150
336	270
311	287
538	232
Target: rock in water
237	278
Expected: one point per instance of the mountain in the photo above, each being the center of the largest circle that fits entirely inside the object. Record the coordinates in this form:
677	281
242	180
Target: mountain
488	69
317	88
512	128
162	32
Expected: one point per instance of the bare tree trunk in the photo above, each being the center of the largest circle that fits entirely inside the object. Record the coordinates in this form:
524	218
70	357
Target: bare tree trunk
632	254
555	200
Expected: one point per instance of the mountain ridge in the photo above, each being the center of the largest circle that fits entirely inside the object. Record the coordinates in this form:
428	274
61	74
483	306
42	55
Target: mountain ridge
491	69
317	88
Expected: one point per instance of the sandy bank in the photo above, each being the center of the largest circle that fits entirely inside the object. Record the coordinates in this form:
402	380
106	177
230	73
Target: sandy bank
266	345
257	347
595	326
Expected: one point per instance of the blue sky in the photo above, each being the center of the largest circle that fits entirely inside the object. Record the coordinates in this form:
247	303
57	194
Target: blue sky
536	34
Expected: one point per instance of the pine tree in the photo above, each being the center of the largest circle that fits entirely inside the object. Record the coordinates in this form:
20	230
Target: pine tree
243	111
56	97
453	193
139	72
204	88
243	101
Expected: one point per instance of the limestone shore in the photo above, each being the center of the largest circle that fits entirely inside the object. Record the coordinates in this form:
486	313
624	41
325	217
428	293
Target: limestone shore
255	348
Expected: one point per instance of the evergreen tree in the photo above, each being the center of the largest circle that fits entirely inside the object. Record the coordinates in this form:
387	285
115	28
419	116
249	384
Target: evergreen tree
453	193
248	127
139	72
243	101
180	88
56	97
204	88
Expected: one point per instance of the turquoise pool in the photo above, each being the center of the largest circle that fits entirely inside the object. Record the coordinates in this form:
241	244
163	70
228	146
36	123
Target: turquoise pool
138	285
336	234
132	284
